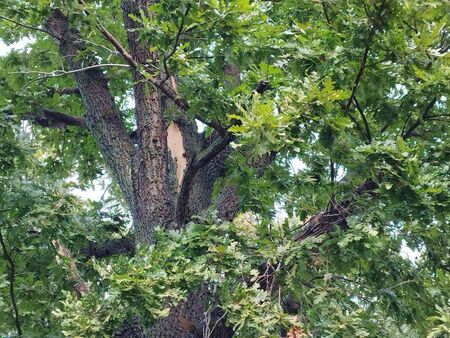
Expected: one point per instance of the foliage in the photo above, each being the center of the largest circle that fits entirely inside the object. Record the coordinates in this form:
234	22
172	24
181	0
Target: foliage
357	90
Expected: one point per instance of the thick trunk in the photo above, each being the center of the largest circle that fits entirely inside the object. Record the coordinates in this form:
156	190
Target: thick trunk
153	192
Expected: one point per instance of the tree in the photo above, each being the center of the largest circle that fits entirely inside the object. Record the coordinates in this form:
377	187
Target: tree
334	113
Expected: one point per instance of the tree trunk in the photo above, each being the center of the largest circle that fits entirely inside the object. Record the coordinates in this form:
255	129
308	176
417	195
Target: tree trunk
145	171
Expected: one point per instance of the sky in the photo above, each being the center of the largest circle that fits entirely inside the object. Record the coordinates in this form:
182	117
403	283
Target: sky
5	49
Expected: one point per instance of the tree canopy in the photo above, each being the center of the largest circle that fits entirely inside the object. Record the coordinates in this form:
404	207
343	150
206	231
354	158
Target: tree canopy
267	168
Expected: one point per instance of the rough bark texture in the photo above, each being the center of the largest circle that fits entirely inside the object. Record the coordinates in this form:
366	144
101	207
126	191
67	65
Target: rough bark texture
101	114
151	185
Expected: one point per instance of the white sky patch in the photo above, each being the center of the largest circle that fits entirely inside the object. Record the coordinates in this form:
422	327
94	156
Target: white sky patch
200	126
21	44
97	192
297	165
407	253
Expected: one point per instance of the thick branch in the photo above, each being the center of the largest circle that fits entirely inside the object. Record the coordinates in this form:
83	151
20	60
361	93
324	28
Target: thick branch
197	163
119	246
51	118
64	91
101	114
216	147
145	71
336	214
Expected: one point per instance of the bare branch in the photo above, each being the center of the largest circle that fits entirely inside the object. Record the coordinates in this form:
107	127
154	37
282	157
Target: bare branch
62	72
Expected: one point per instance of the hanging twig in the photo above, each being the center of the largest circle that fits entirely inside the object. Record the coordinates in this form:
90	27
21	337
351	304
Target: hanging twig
11	273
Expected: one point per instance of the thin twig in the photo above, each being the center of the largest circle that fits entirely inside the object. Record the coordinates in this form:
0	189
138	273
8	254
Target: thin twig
62	72
362	66
363	60
325	12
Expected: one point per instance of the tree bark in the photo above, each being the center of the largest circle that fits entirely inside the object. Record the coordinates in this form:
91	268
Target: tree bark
101	114
152	188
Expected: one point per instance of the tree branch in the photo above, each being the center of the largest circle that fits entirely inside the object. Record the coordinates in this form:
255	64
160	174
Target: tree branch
11	273
51	118
80	286
335	215
325	12
30	27
177	41
101	115
64	91
62	72
216	147
124	245
362	66
366	124
157	83
197	163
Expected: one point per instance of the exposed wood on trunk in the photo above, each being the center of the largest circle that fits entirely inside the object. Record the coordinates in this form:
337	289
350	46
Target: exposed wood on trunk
176	146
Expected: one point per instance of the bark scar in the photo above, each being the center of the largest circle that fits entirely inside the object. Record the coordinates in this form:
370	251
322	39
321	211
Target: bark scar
177	151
